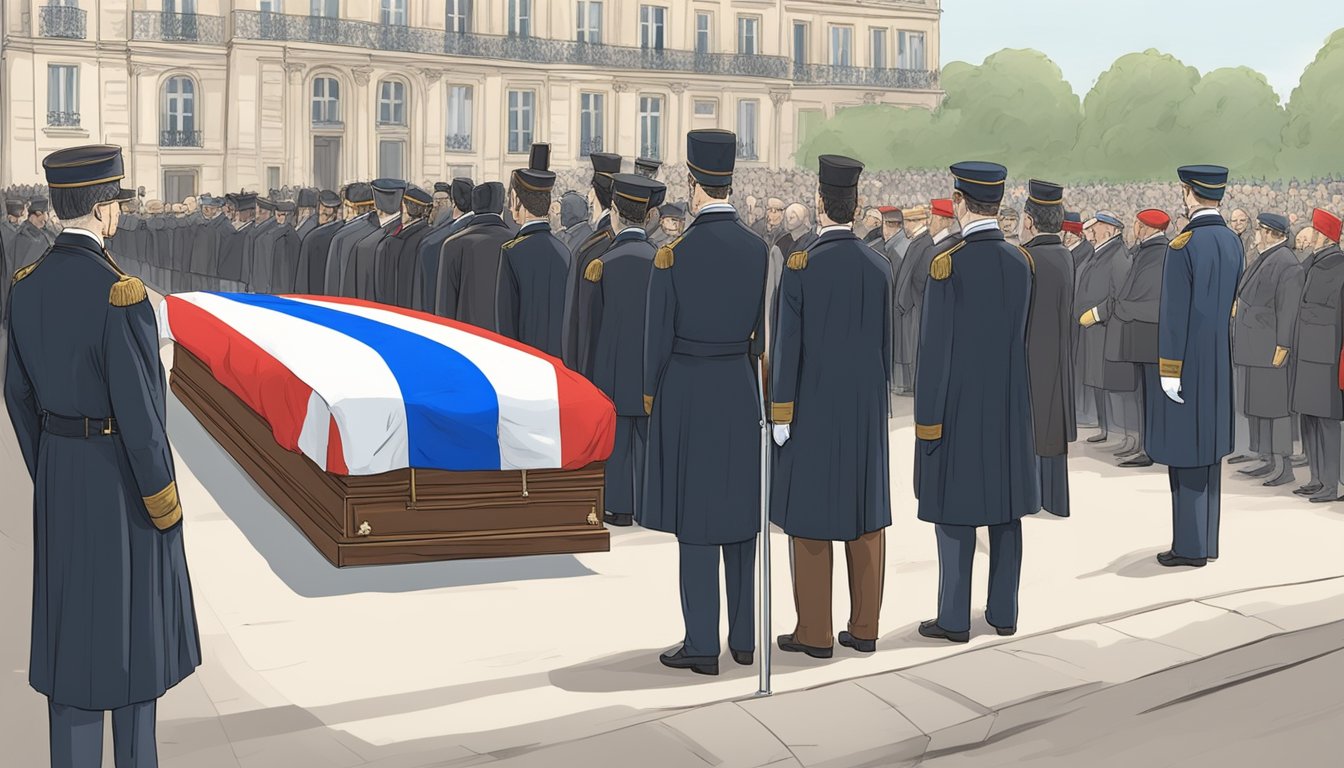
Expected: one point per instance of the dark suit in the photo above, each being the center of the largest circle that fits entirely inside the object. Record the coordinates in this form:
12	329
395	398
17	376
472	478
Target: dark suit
975	453
424	281
1099	281
530	304
468	272
257	257
1050	366
361	270
1265	318
341	251
397	261
311	274
1131	332
1086	406
1315	357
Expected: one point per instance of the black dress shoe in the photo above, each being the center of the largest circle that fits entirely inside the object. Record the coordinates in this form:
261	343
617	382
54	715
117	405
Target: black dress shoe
1173	560
789	645
745	658
1324	497
1141	460
1127	448
1005	631
862	646
1284	477
1100	437
701	665
1242	458
1264	470
931	629
1309	489
621	521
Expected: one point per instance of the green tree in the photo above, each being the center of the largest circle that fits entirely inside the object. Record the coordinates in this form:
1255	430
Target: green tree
881	136
1130	118
1311	142
1234	119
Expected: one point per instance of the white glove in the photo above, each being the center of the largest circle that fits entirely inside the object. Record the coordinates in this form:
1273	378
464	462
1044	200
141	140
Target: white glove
1172	386
781	434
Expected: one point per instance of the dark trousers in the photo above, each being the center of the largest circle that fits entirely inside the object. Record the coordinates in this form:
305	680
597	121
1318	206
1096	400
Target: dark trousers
700	595
1271	437
1054	475
625	469
812	561
1320	439
77	736
1196	507
956	553
1103	423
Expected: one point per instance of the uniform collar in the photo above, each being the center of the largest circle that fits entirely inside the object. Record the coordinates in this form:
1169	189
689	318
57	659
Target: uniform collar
631	233
1152	238
716	208
1205	212
835	228
1045	238
94	236
535	225
919	232
979	226
941	236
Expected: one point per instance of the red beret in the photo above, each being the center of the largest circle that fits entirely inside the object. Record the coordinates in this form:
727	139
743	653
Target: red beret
887	209
1326	223
1154	218
942	207
1076	227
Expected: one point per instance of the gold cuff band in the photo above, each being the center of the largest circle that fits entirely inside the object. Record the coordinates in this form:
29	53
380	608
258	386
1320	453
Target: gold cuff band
164	507
648	405
926	432
781	413
1169	368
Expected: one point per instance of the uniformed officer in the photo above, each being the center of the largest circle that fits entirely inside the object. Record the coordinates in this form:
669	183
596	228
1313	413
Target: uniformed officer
306	205
113	625
620	299
910	293
361	218
310	276
443	204
1131	334
1315	353
705	324
1190	429
671	220
577	328
33	238
361	269
425	272
256	247
534	266
1082	249
233	254
282	244
9	226
831	377
1099	281
391	256
1263	320
973	392
468	269
1050	341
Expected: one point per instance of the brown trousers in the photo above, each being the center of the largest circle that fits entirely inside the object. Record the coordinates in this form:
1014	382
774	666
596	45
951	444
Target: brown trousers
866	557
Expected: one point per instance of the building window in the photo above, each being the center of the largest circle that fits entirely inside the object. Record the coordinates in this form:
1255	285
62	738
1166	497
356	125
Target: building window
747	111
651	127
748	34
391	159
326	9
842	45
458	16
879	47
911	53
520	18
459	121
799	43
62	95
393	13
704	25
522	116
272	177
592	121
706	107
326	101
652	26
177	123
179	184
589	22
391	102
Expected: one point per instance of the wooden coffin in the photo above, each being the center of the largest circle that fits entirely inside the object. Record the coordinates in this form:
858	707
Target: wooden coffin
405	516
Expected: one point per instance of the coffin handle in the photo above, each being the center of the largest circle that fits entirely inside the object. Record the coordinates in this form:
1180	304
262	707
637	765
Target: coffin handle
524	483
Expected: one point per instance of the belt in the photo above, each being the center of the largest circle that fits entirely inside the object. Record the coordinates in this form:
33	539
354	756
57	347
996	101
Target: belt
82	427
690	348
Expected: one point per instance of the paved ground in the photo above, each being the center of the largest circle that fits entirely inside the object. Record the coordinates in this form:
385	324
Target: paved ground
444	663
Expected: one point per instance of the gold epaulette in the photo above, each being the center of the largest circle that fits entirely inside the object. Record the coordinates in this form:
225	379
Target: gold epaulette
1030	261
797	260
127	291
1180	241
665	256
941	267
593	273
513	242
25	271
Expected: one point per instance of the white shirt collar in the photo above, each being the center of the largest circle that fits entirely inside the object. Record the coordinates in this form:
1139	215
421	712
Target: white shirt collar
1153	236
632	229
716	207
533	223
979	226
941	236
920	231
1205	212
834	228
391	217
97	238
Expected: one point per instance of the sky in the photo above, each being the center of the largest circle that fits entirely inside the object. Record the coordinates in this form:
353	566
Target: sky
1277	38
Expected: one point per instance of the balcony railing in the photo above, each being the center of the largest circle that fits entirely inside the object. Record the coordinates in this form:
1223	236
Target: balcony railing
910	79
63	21
63	119
651	151
589	146
457	142
746	150
178	27
180	139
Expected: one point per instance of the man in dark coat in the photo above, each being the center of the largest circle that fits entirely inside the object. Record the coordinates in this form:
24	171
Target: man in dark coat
203	263
305	220
1263	321
361	219
311	273
578	300
9	226
390	257
361	268
443	205
469	263
621	277
831	377
282	246
1085	408
114	625
1050	342
233	254
1098	283
256	247
1315	353
910	294
425	281
576	220
975	455
1190	429
906	343
1131	333
534	266
705	327
33	238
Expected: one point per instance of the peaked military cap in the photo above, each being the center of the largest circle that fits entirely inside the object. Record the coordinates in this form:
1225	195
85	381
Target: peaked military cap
638	189
1073	222
388	185
1275	221
87	166
839	171
980	181
266	204
672	211
286	206
244	201
605	164
1045	192
488	198
307	198
359	192
208	200
443	186
328	199
646	166
537	176
892	213
1208	181
711	155
39	205
1106	217
14	207
418	196
462	193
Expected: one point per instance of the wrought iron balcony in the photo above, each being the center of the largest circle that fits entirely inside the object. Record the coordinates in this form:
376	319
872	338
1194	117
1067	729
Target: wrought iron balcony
180	139
651	151
746	150
178	27
63	21
63	119
825	74
589	146
457	142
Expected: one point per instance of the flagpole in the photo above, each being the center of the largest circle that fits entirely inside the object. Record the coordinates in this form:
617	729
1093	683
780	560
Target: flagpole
763	559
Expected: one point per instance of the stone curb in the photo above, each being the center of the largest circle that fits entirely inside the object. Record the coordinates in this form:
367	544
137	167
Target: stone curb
955	702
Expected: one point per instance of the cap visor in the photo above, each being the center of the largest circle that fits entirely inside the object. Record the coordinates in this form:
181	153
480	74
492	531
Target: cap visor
124	194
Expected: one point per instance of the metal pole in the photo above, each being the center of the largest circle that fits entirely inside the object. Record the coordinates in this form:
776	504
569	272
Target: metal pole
763	559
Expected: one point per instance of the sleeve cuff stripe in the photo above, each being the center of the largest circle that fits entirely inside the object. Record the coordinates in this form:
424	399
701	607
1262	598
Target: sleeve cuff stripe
929	432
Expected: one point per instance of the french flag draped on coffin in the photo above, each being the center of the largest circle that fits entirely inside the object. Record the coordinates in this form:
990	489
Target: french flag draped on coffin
363	388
